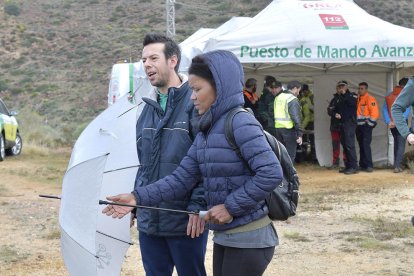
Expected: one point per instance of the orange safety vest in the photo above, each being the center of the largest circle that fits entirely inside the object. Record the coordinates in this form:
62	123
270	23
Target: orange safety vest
251	96
367	110
390	99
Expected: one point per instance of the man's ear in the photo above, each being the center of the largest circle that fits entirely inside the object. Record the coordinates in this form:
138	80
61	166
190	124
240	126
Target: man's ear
172	61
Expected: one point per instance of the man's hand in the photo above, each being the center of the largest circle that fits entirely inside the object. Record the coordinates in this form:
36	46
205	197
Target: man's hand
391	125
119	211
338	116
218	215
299	141
410	139
195	226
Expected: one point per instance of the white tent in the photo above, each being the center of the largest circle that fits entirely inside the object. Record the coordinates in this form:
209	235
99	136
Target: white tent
323	42
195	43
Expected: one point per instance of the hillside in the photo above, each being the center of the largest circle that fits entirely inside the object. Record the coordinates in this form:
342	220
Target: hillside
56	56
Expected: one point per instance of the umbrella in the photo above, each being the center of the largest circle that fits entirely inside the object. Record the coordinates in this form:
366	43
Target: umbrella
103	162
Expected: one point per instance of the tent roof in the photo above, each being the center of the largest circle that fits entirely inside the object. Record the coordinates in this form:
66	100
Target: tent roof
317	32
199	34
195	43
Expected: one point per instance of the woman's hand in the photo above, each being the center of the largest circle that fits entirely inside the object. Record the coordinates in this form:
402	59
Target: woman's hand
218	215
119	211
195	226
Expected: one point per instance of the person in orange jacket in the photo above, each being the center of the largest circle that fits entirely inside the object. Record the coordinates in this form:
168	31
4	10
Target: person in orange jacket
367	116
399	140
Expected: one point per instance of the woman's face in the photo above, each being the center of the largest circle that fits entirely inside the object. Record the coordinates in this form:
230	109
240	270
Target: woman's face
203	95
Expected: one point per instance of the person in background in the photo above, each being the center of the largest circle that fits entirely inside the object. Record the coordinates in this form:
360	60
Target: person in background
335	128
399	140
244	236
250	96
404	101
265	104
306	102
164	135
288	121
345	111
367	117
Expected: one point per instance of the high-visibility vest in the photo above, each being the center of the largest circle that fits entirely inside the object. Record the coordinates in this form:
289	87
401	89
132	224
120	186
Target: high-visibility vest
281	110
367	110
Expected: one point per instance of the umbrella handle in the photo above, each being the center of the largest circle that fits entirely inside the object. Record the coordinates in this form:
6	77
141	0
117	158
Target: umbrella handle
202	214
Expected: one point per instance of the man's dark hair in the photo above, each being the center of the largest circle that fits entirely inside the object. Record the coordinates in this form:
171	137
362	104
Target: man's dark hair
403	81
171	47
200	68
269	81
294	84
250	83
364	84
276	84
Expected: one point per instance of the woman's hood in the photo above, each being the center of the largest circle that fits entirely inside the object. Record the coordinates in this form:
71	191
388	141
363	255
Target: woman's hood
229	77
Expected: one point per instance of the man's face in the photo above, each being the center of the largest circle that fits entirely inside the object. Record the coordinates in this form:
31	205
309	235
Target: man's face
157	67
254	88
362	90
275	90
296	91
342	88
338	89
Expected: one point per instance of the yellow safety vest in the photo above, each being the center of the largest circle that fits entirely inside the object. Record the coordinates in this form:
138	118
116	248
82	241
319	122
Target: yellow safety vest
281	110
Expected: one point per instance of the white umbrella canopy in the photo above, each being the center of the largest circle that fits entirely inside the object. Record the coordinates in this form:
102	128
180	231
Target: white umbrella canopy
103	162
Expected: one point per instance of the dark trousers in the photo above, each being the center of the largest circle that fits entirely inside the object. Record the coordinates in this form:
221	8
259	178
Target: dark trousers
336	147
399	147
348	143
364	137
287	136
230	261
161	254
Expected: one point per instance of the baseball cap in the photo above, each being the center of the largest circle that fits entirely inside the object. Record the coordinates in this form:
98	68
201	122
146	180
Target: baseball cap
342	82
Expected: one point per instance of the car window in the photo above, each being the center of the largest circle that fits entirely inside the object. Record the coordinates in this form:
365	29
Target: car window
3	109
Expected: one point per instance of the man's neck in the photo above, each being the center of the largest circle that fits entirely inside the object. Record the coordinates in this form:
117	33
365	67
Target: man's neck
174	81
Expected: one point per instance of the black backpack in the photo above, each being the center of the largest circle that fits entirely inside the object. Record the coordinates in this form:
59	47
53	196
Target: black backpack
282	202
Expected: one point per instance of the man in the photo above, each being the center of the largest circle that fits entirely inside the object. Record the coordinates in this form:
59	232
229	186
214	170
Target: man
288	118
164	135
250	96
367	116
404	100
399	141
275	89
266	102
345	111
335	128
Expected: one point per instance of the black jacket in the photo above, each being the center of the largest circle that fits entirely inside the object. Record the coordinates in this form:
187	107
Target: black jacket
335	123
163	139
346	106
265	110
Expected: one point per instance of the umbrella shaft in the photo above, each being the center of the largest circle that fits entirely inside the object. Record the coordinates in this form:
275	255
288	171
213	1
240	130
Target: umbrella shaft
103	202
50	196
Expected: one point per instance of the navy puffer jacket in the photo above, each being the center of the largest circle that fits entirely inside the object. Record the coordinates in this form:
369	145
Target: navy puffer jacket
225	177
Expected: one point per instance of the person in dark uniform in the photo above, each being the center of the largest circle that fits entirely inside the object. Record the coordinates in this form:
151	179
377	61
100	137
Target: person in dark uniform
345	111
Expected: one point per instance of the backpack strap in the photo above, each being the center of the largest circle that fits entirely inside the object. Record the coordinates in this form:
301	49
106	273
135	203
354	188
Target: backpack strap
229	132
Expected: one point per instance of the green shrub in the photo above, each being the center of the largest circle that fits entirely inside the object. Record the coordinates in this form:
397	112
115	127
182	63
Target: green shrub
12	9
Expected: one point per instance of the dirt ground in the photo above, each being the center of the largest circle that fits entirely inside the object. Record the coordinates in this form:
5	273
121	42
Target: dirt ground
346	225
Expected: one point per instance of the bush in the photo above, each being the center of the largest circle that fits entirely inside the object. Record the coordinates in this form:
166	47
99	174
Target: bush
12	9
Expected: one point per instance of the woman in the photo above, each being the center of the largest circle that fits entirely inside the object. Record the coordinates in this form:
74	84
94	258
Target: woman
244	237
